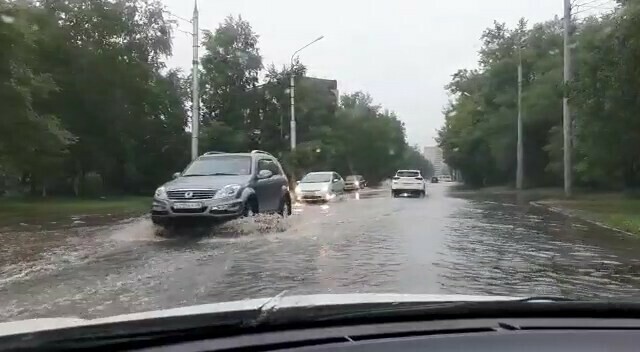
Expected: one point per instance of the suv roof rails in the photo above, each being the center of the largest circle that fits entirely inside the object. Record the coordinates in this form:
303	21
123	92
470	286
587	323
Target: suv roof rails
213	152
257	151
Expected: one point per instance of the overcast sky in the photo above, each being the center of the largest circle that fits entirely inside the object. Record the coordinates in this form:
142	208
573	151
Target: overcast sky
402	52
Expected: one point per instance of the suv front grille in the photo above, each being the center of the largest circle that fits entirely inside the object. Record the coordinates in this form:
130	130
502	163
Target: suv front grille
194	194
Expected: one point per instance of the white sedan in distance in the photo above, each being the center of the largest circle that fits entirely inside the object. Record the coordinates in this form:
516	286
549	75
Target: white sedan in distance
319	186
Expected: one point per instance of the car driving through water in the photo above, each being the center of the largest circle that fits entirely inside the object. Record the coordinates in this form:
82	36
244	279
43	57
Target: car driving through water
223	186
408	182
319	186
354	182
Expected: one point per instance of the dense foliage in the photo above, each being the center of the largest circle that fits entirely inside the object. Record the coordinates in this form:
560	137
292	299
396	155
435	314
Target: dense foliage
479	135
87	105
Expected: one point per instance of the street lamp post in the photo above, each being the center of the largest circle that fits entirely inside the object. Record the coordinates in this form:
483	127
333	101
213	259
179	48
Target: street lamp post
292	94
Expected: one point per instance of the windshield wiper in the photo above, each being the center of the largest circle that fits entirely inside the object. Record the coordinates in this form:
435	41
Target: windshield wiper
189	175
400	310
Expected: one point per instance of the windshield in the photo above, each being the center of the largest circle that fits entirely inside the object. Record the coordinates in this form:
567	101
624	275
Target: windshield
316	178
407	174
156	154
219	165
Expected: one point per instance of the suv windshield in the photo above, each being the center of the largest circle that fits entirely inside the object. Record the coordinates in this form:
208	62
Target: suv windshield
316	178
408	174
220	165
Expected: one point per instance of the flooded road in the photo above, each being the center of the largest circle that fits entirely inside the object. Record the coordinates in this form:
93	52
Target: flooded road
367	242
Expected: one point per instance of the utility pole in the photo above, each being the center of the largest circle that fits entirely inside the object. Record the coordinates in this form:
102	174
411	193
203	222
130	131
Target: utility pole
195	98
292	94
520	152
566	115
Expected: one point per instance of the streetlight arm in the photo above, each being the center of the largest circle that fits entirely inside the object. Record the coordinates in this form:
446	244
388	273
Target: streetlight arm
292	95
304	47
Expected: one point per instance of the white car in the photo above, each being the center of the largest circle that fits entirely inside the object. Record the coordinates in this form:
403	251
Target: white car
408	182
319	186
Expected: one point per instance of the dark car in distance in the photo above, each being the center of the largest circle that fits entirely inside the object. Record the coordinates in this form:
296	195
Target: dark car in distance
354	182
434	179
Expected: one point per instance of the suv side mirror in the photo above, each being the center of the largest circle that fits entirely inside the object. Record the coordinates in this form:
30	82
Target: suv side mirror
263	174
335	180
297	182
176	175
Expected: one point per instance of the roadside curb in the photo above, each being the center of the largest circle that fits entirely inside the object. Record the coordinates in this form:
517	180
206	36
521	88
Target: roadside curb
576	214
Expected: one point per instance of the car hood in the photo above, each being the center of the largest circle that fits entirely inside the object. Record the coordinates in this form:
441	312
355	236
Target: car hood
314	186
206	182
261	304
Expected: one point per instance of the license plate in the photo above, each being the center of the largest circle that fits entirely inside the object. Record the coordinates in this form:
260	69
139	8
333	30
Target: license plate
187	205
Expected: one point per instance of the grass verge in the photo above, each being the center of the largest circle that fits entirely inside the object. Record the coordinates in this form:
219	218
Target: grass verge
613	210
21	210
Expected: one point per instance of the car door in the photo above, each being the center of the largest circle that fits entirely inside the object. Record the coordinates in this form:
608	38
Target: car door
268	189
264	186
280	183
337	184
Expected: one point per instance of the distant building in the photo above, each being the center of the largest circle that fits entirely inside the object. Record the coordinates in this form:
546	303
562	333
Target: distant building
326	87
434	155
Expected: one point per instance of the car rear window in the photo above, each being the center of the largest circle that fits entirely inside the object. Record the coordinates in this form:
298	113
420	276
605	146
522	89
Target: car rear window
408	174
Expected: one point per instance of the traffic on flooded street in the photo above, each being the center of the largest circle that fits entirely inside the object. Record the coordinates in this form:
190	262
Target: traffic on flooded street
319	175
366	241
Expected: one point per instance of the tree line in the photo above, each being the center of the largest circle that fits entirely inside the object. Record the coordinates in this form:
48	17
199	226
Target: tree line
89	107
479	134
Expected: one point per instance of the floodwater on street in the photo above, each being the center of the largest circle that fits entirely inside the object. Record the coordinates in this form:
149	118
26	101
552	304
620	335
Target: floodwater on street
365	242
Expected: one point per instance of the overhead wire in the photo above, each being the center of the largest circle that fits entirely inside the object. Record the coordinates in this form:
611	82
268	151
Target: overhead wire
592	5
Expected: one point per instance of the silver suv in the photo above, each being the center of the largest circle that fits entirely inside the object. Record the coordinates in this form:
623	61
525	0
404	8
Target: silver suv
222	186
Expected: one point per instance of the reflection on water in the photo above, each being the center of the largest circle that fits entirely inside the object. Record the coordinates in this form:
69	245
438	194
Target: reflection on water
524	250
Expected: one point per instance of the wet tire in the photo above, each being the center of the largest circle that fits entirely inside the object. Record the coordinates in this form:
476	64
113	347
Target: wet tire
285	207
250	208
394	194
163	222
423	194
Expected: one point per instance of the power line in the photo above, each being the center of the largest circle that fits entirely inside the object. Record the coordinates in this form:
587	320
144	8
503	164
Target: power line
183	31
592	5
586	9
575	4
176	16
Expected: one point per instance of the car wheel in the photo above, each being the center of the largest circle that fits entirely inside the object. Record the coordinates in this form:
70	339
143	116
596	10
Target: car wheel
164	222
250	208
423	194
285	207
394	194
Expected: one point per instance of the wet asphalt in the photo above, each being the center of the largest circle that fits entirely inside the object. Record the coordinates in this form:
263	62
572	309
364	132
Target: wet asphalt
446	243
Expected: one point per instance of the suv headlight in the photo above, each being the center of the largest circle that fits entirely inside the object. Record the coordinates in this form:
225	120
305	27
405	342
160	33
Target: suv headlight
161	193
298	190
227	191
325	188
